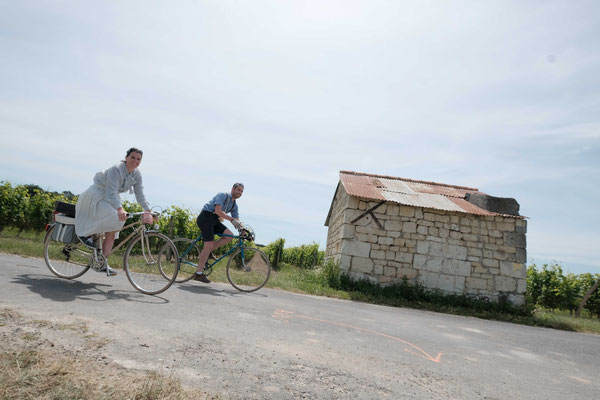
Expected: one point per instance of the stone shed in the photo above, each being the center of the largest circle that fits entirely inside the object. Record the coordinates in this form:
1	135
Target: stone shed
451	238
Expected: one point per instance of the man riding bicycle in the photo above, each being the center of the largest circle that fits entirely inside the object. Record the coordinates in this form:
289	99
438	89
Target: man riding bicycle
209	222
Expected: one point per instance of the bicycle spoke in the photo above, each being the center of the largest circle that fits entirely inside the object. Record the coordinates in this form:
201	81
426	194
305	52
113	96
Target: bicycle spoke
248	269
151	263
67	261
189	258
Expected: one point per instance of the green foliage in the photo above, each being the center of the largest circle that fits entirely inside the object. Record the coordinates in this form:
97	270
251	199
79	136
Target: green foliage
28	207
13	205
39	210
179	222
586	281
331	274
406	293
274	251
551	289
305	256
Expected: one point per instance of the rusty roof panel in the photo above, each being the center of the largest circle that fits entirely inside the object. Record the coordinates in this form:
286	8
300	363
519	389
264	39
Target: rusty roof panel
365	191
444	190
410	192
471	208
396	186
425	200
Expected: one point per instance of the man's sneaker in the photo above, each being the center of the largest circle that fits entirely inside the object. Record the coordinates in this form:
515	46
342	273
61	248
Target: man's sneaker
88	241
201	277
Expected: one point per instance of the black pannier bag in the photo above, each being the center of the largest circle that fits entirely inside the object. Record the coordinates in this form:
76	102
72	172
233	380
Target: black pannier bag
64	233
65	208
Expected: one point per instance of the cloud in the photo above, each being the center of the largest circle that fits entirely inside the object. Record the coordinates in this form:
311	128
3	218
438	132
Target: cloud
283	95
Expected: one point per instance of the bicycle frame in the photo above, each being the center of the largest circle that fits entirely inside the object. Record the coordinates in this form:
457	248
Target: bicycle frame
140	230
239	244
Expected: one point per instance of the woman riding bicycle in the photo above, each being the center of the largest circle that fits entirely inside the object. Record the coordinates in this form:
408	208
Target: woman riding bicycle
99	210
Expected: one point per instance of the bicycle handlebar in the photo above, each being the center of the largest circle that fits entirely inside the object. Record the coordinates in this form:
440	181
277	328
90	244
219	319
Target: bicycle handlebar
133	214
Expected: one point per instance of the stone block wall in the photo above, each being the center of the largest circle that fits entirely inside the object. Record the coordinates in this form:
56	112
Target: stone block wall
457	253
336	224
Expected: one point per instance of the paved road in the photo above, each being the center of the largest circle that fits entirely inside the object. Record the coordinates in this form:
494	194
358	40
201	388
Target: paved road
280	345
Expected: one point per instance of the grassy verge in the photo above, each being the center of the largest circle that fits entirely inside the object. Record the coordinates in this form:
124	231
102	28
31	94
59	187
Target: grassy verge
33	374
324	282
34	365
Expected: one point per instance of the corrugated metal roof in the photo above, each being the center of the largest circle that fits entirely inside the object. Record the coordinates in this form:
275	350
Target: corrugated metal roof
411	192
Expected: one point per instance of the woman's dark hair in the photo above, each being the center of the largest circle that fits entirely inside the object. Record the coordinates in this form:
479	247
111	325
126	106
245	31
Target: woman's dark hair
134	150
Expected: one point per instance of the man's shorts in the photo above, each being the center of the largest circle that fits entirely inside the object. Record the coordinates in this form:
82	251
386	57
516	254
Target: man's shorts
209	225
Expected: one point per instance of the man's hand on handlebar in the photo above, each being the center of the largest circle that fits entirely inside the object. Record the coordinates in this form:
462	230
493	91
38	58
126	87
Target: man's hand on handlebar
236	223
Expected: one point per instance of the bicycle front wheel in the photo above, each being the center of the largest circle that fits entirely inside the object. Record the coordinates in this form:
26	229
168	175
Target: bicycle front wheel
67	261
248	269
151	263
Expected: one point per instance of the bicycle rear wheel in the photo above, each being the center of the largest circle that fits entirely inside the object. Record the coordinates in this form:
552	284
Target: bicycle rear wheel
67	261
248	269
187	271
151	263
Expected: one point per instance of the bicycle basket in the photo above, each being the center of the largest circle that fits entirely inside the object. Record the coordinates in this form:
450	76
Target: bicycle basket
64	233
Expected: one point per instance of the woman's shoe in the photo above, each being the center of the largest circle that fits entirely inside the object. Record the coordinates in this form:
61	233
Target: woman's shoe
88	241
109	271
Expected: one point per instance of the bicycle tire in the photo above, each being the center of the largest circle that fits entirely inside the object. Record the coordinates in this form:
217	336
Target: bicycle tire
68	261
187	271
250	272
149	263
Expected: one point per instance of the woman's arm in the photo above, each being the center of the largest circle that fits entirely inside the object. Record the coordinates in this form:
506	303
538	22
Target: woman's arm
138	189
111	187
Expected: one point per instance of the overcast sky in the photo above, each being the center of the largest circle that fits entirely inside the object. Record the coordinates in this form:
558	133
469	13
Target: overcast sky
503	96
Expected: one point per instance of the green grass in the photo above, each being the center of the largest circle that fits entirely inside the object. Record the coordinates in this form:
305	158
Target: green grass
563	320
319	282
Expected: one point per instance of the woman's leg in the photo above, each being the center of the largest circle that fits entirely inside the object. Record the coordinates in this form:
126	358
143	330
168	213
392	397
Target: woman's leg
109	240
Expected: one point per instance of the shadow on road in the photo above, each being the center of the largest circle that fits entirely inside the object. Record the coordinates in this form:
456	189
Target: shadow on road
65	290
213	290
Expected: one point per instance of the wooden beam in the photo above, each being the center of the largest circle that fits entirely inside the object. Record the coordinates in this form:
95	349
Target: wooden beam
370	211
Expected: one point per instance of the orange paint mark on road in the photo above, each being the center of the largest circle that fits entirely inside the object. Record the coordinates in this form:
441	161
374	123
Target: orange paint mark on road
282	315
414	349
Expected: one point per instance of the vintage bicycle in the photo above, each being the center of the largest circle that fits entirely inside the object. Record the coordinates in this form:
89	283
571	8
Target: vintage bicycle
150	260
248	268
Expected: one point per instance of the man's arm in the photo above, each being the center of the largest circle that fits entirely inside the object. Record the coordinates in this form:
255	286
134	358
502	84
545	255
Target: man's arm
219	211
221	214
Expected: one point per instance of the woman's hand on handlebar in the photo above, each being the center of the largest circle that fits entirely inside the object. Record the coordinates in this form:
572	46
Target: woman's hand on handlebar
148	217
122	214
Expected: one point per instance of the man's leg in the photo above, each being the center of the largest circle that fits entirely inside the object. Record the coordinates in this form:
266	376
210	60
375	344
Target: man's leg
223	240
209	247
204	254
